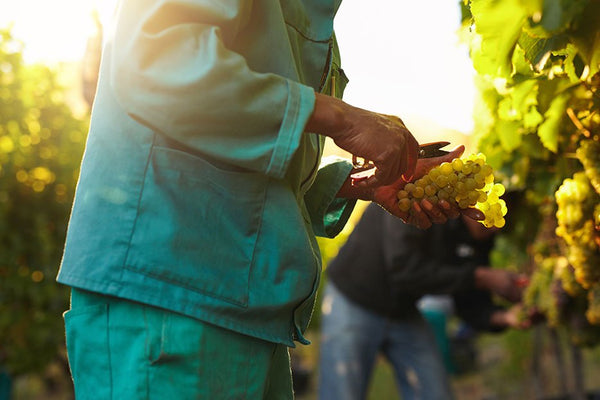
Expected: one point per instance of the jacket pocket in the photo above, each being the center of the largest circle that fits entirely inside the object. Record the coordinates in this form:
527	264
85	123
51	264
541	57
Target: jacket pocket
197	225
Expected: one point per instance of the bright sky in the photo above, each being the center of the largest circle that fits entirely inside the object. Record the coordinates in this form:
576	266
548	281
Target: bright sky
402	57
54	30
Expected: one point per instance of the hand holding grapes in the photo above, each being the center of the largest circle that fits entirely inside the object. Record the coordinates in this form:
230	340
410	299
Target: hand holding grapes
423	213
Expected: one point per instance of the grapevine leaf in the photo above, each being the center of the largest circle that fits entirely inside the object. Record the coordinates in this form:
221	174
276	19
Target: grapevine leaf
488	145
499	24
537	50
522	69
532	118
517	104
525	95
549	129
571	67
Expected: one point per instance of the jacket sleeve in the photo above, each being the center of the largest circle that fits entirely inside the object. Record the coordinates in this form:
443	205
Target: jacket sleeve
173	70
329	213
415	264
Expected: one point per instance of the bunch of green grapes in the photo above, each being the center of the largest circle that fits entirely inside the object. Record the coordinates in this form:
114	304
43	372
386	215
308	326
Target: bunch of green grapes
464	182
575	199
588	154
576	216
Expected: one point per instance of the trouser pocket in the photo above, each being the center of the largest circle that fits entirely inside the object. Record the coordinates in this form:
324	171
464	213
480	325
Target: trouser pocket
88	351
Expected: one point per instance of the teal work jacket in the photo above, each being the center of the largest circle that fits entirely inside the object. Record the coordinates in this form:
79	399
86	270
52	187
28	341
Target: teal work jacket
199	190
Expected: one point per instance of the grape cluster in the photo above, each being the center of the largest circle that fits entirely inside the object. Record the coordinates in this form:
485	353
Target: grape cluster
577	202
464	182
588	154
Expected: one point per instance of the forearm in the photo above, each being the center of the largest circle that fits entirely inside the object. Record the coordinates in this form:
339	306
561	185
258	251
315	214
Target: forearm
482	278
329	117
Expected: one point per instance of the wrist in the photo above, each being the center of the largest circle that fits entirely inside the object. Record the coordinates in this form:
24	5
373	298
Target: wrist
328	117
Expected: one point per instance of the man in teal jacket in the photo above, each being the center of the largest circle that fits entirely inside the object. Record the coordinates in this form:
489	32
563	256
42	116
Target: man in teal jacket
191	247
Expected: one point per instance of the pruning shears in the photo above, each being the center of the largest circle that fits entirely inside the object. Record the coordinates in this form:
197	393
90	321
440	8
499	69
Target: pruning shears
367	168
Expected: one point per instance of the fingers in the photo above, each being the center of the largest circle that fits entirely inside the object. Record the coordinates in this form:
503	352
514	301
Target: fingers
450	211
435	213
473	213
418	217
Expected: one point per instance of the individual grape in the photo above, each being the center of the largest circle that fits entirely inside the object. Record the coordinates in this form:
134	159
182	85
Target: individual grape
457	164
430	190
446	168
470	184
422	182
441	181
465	182
452	179
418	192
404	204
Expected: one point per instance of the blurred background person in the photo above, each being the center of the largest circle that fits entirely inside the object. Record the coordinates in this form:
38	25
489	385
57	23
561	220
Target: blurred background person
371	295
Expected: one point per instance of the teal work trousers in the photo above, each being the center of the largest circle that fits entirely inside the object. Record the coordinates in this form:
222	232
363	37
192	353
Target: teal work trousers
119	349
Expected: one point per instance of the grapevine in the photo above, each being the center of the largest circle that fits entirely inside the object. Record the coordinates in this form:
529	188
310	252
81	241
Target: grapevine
464	182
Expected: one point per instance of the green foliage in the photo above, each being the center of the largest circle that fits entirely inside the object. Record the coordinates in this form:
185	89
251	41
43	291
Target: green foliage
41	143
538	64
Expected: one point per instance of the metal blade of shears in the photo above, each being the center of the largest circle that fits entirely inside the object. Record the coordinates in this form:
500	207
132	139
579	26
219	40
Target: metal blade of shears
433	149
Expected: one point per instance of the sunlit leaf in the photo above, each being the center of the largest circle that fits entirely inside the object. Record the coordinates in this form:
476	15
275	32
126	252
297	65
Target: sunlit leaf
549	130
499	25
537	50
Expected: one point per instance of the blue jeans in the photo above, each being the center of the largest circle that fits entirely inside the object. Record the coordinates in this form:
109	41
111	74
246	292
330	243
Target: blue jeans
351	339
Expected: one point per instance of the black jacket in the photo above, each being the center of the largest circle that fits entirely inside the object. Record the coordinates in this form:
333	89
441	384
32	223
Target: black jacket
386	266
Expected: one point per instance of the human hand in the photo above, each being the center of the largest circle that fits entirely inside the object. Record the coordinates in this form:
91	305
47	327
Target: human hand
506	284
382	139
424	213
514	317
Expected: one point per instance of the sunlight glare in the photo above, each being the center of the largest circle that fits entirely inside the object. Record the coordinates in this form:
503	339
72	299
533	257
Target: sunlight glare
53	31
